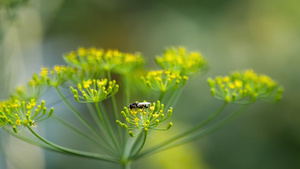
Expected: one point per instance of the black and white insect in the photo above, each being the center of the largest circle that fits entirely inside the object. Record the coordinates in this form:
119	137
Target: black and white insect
139	105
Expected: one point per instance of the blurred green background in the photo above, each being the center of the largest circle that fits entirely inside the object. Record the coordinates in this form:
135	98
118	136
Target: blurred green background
233	35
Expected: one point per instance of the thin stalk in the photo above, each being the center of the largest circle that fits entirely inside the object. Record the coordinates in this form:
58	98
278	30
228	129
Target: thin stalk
88	137
126	165
183	134
94	116
126	102
98	120
127	150
115	109
122	135
74	152
205	132
76	113
116	113
105	117
161	96
104	114
143	143
127	89
28	140
113	139
174	98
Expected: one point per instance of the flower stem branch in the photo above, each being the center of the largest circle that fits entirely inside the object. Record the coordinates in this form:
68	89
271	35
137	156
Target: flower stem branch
94	115
143	143
28	140
207	131
72	151
174	98
112	137
82	134
182	134
127	89
76	113
126	165
113	99
162	95
79	116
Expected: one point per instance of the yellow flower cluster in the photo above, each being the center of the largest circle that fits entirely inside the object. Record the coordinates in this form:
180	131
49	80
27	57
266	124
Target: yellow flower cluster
18	113
32	90
244	87
164	80
145	118
94	90
177	59
54	77
99	60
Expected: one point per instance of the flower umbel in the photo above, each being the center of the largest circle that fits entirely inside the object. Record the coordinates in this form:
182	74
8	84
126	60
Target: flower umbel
145	118
95	90
164	80
20	113
178	59
54	77
32	90
95	61
243	87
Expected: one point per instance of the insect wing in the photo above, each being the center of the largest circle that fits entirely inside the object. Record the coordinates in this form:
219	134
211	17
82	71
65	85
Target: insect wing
144	103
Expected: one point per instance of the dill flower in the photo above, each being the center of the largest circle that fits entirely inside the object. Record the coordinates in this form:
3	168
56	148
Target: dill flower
18	113
94	90
145	118
95	61
164	80
56	76
32	90
243	87
178	59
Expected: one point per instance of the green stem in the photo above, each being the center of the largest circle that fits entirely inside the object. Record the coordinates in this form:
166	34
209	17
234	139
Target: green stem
144	141
94	116
127	90
115	109
72	151
80	117
113	139
30	141
100	115
127	150
183	134
76	113
116	114
82	134
162	95
105	117
174	98
126	165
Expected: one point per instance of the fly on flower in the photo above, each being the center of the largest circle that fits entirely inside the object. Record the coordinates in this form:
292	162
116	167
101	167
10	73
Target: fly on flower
139	105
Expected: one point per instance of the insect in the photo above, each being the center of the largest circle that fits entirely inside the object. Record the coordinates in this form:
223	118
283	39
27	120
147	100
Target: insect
139	105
